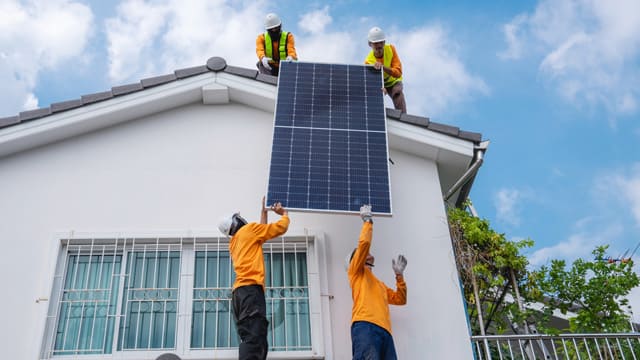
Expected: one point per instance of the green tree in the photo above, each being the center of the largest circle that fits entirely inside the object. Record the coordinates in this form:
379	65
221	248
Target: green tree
596	291
490	267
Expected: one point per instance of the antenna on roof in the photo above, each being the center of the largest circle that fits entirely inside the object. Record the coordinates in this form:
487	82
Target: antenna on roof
634	250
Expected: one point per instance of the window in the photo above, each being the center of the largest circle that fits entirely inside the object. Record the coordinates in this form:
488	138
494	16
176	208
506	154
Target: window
117	296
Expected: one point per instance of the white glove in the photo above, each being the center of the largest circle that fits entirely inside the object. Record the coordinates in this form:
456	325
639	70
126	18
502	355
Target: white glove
399	265
265	62
289	58
365	212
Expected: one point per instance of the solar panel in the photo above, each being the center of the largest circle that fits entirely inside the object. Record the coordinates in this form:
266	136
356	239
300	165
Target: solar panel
329	150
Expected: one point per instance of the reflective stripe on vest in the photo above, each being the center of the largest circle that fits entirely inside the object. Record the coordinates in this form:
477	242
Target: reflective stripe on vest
388	54
282	46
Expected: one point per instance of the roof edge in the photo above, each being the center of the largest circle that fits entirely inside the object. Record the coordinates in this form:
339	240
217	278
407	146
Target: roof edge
214	64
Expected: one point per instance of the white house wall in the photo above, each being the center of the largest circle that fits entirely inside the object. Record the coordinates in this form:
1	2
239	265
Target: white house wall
181	170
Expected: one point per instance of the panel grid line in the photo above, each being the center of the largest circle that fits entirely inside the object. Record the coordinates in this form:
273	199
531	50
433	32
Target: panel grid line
329	150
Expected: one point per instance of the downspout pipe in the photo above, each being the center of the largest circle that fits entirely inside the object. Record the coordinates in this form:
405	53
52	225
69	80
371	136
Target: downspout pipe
471	171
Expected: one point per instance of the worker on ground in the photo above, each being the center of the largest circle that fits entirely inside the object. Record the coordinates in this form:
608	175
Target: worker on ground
273	46
384	56
248	300
370	320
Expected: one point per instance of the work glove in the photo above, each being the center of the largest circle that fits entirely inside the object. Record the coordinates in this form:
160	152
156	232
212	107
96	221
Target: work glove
265	62
399	265
289	58
365	213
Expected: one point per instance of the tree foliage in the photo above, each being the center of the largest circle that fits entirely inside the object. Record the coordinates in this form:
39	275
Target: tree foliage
487	263
595	290
493	272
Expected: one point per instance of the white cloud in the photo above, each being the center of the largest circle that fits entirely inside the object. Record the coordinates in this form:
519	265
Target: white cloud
435	79
589	233
621	189
624	188
337	47
34	36
131	38
512	37
315	22
153	37
147	38
589	50
507	204
30	102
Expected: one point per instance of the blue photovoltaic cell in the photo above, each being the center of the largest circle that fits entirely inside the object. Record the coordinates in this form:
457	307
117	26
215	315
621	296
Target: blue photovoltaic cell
329	149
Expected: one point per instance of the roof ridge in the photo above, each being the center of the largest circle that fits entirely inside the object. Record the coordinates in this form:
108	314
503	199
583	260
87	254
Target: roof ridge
214	64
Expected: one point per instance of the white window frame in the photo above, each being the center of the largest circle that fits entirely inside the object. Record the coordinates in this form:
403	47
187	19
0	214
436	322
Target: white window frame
318	300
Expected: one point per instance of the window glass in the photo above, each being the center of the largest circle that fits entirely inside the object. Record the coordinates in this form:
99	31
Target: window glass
150	301
115	295
287	299
287	296
88	305
213	325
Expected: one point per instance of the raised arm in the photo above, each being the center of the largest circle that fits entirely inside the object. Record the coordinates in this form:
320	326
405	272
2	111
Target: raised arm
364	242
399	296
268	231
264	213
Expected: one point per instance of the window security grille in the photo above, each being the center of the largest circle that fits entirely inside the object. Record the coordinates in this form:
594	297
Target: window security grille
118	295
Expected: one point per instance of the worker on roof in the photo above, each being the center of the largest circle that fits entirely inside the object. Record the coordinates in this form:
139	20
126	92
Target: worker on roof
248	300
384	56
370	320
273	46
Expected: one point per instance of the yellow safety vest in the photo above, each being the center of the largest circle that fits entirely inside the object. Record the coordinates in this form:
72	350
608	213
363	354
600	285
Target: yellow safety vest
388	54
282	46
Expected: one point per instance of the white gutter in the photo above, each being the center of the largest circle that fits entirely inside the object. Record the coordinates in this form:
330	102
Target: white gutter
471	171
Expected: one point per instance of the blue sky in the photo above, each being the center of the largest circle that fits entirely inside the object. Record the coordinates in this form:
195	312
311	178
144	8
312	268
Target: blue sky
553	84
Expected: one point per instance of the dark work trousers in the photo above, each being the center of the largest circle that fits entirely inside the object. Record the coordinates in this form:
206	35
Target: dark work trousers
397	96
250	312
263	70
371	342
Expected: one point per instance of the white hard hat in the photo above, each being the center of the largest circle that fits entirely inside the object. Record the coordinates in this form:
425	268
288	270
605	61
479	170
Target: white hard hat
376	35
230	224
272	20
224	225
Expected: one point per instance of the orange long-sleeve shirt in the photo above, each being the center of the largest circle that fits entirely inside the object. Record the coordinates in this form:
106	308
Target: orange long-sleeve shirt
246	250
371	297
291	48
396	65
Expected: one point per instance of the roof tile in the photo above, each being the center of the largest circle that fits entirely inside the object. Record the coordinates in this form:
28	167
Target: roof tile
269	79
192	71
445	129
8	121
157	80
126	89
393	113
95	97
415	120
34	114
468	135
244	72
66	105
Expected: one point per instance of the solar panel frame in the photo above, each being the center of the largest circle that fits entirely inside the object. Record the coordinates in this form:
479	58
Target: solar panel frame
336	128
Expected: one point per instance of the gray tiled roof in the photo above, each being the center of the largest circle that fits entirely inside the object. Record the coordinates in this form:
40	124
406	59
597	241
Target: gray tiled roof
215	64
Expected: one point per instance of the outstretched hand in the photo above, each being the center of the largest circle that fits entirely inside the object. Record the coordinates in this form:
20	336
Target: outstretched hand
365	213
279	209
399	265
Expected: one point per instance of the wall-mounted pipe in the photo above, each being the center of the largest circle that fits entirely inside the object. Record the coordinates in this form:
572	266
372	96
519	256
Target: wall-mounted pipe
471	171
